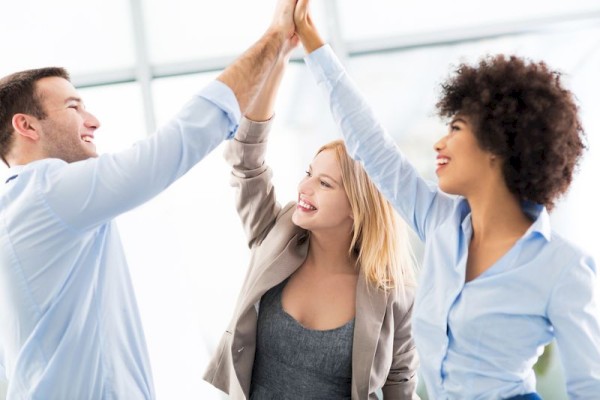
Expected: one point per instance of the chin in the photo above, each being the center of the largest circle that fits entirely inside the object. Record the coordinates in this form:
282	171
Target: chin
83	157
298	220
449	189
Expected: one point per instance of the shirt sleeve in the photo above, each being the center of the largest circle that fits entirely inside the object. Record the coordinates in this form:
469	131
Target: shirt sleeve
420	203
574	311
87	193
2	369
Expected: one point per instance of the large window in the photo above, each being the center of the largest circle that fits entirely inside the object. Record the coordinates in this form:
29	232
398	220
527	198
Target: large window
186	249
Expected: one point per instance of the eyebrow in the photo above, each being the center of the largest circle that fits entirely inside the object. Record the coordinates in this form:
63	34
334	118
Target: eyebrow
73	98
326	176
459	119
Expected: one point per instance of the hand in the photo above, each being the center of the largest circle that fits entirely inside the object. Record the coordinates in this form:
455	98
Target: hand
288	46
283	19
302	16
305	28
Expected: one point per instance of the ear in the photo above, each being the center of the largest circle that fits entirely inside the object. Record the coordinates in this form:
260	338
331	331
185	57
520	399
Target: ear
26	126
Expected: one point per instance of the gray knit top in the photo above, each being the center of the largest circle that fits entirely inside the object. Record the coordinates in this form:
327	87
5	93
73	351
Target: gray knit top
294	362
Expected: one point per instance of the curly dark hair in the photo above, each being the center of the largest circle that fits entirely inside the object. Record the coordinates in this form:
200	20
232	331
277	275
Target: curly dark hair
18	95
522	113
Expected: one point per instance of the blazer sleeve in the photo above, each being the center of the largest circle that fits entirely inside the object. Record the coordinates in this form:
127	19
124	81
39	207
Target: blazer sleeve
251	177
401	382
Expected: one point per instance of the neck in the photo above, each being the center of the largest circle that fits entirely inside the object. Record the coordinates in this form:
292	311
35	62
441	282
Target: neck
328	252
497	215
22	154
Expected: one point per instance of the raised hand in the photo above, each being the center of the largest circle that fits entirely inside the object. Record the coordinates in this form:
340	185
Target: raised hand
283	18
305	28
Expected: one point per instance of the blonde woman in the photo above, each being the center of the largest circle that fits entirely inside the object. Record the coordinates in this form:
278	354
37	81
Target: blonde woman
325	309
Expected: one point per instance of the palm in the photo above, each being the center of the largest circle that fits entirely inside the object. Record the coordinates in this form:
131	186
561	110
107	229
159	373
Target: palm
301	14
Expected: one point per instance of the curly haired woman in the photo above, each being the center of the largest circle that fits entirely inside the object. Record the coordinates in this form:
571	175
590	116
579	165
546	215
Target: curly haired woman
497	283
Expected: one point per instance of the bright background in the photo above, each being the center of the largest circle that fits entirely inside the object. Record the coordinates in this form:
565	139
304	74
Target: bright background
136	62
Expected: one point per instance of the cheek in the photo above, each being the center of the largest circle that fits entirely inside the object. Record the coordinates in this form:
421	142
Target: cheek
340	206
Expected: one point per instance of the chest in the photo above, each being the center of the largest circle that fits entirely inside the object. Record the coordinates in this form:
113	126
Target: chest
481	257
320	301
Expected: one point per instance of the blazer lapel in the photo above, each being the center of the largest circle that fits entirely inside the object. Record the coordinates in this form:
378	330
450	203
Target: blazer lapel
273	273
267	276
370	310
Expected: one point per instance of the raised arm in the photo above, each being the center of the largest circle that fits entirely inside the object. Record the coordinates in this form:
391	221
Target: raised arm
247	75
420	203
87	193
255	196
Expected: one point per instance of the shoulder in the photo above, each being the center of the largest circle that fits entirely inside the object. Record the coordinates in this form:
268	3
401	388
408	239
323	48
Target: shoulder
283	228
283	221
568	255
32	174
561	244
401	299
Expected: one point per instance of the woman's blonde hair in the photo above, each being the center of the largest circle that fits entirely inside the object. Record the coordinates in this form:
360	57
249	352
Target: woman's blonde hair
380	238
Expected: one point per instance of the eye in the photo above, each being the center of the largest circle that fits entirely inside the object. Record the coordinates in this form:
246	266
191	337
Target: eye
308	174
454	128
325	184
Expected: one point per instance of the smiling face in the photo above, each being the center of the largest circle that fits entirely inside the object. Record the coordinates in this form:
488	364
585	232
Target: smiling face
67	132
462	165
322	201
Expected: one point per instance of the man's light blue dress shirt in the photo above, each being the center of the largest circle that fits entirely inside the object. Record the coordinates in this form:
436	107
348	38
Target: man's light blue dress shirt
477	340
69	323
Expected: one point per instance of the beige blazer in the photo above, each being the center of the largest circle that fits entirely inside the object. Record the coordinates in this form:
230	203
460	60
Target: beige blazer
383	352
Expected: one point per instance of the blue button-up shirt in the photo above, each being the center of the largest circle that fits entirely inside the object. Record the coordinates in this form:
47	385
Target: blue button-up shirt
69	323
476	340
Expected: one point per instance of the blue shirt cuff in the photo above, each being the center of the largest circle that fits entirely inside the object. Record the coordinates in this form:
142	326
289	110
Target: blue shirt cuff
223	97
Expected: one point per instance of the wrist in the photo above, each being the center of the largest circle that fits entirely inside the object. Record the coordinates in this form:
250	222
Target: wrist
310	38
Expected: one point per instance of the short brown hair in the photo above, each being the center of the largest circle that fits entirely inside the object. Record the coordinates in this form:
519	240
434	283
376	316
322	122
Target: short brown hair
18	95
522	113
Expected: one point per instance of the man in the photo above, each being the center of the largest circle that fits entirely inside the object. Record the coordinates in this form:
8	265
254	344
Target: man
69	323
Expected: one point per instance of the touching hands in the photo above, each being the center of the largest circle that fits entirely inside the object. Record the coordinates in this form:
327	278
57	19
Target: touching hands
302	17
293	21
305	28
283	19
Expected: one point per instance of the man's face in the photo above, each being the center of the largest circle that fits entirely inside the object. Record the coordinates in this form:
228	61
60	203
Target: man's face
67	132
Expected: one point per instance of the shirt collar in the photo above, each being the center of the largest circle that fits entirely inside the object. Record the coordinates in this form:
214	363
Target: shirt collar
541	219
11	173
537	212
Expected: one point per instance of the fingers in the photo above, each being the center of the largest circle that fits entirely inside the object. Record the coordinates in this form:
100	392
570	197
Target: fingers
301	12
283	19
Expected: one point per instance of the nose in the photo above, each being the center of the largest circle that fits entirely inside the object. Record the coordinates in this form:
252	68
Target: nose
306	186
440	144
91	121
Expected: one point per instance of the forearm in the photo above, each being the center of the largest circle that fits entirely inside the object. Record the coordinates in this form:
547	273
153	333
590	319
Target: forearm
248	73
102	188
262	108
